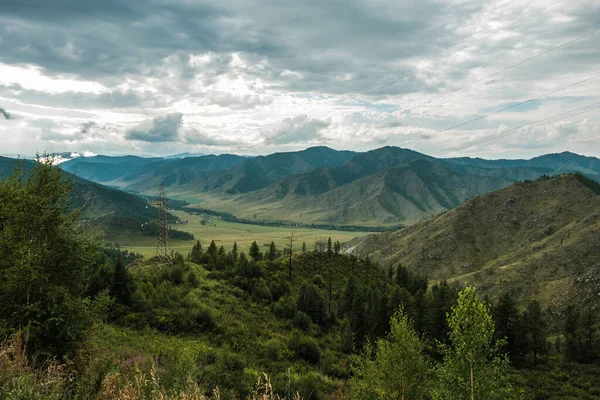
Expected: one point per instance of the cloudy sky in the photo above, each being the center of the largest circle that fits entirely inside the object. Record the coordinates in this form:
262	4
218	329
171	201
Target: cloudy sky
159	77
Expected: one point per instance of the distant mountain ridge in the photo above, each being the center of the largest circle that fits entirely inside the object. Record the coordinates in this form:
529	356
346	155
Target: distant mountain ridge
385	186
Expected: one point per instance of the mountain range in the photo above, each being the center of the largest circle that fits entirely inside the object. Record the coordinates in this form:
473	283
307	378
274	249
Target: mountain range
386	186
539	239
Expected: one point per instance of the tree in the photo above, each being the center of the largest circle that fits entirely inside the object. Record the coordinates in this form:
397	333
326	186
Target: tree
395	367
255	252
122	284
212	250
234	251
510	327
471	368
329	248
310	300
346	336
337	247
303	247
536	330
45	259
196	254
272	254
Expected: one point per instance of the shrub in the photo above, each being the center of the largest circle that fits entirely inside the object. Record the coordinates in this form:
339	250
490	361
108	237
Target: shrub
306	348
302	321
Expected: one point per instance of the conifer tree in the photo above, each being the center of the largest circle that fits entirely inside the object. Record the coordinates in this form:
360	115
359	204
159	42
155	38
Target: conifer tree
272	251
122	284
255	252
196	255
234	251
303	247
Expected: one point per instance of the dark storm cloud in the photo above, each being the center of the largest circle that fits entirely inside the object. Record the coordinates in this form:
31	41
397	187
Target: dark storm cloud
323	41
159	129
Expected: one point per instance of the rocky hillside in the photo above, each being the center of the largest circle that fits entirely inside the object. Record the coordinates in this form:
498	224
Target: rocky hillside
539	239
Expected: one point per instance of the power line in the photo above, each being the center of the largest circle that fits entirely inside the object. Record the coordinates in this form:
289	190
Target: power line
546	121
415	70
521	103
496	73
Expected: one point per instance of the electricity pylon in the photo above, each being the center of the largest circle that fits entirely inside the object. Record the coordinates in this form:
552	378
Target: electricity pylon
162	223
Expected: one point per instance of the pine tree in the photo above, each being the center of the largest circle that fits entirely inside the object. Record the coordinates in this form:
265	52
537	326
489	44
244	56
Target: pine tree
337	247
212	249
255	252
536	330
471	369
329	248
303	247
234	251
272	254
122	284
510	327
196	255
346	336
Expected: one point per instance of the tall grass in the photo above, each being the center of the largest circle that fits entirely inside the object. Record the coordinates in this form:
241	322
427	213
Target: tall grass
21	378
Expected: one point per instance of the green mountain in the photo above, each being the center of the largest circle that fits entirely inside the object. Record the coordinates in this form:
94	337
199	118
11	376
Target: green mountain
384	186
557	163
387	186
539	239
226	173
105	168
101	206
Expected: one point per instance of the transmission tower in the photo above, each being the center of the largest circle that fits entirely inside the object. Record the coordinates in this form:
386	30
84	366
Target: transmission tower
162	251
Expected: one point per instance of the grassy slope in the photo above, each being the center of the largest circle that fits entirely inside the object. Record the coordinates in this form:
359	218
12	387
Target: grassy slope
535	238
248	340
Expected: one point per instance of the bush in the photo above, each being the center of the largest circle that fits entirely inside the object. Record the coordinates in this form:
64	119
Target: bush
302	321
285	307
306	348
260	291
310	300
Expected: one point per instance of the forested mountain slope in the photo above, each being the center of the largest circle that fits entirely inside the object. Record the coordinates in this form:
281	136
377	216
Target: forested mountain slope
540	239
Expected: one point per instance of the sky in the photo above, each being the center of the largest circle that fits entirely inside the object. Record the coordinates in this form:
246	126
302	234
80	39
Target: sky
160	77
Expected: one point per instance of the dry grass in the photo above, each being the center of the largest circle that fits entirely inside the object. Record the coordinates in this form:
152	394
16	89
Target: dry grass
21	379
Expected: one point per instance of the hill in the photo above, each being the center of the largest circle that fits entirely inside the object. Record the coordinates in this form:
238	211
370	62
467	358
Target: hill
538	239
105	168
102	207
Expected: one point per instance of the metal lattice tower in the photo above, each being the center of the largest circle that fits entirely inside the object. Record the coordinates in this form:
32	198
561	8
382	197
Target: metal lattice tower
162	251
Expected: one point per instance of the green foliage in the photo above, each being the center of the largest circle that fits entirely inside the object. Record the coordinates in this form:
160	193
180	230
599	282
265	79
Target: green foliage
306	348
255	252
471	368
311	301
45	260
395	367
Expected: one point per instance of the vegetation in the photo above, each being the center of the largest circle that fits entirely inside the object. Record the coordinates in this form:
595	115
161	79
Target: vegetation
211	323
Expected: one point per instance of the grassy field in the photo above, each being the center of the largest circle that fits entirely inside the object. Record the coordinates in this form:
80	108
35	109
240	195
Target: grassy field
225	233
